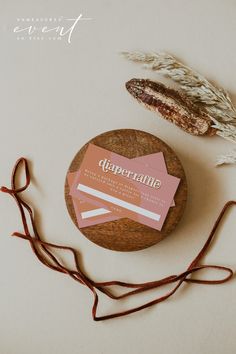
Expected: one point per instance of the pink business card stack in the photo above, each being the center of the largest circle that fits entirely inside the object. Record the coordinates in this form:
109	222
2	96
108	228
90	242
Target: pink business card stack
109	186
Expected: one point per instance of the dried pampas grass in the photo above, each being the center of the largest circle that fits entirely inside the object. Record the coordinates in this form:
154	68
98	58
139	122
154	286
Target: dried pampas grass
229	158
210	99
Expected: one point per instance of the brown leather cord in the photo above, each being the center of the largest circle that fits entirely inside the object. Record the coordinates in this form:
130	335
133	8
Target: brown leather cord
44	252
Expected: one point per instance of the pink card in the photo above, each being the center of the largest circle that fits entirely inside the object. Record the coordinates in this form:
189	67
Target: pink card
86	212
125	187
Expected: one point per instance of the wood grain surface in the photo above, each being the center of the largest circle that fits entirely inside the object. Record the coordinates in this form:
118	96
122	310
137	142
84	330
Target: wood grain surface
126	234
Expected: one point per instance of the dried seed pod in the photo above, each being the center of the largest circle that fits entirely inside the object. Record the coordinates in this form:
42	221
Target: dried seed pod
172	105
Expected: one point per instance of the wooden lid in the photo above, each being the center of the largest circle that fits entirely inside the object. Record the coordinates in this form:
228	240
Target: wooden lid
126	234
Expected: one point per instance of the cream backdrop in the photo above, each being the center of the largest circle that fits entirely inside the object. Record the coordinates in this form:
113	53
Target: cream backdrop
54	97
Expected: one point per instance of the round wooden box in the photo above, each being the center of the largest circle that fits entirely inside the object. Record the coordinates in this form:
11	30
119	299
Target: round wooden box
126	234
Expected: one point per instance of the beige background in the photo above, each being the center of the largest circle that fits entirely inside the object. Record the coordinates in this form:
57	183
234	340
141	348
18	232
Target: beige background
56	96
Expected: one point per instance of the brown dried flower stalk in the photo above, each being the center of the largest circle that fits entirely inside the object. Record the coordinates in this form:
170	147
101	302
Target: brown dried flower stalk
172	105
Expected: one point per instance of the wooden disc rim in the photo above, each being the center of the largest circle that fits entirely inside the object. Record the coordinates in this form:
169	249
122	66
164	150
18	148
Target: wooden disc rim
126	234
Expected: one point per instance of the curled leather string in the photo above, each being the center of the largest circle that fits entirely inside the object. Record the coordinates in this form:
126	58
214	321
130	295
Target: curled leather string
44	252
